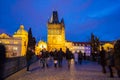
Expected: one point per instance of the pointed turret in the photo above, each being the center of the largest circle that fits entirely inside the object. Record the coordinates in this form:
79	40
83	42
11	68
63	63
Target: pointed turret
54	18
62	20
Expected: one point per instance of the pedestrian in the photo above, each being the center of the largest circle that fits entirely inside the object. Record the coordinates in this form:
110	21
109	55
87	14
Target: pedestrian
29	55
44	58
2	60
117	56
110	61
60	57
80	57
55	57
76	57
68	57
39	57
84	56
103	60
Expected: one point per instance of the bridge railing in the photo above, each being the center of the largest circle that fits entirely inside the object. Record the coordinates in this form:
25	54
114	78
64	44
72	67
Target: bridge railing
15	64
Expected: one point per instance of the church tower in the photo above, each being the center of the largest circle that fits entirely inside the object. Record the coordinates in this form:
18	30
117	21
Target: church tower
56	33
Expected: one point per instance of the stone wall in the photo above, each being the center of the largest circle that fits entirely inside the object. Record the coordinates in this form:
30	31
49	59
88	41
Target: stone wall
13	65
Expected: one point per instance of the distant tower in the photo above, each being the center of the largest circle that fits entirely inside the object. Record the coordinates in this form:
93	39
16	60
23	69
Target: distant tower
56	33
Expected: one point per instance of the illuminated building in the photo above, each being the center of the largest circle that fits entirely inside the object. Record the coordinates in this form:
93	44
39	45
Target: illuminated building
16	45
56	33
13	45
23	34
84	47
41	45
56	36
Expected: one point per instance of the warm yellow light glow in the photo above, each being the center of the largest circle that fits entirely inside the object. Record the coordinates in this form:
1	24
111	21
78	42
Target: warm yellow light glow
6	42
108	45
23	34
12	49
3	35
15	48
41	45
15	42
56	37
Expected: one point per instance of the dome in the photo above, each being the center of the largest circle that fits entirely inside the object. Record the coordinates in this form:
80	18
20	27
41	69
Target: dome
21	31
21	27
3	35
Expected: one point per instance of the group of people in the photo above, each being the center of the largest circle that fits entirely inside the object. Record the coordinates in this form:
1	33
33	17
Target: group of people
107	58
58	56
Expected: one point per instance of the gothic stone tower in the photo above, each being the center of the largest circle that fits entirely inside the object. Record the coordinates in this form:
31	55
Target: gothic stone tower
56	33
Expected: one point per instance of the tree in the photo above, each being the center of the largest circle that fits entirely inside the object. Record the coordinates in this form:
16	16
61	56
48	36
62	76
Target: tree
94	45
31	40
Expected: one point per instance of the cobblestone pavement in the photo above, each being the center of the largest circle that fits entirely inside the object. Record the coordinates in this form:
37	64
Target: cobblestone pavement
87	71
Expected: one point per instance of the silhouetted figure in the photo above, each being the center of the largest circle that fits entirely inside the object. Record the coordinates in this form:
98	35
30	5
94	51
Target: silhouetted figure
84	56
110	61
117	56
80	56
44	57
2	60
39	57
68	57
103	60
29	55
60	57
76	57
55	57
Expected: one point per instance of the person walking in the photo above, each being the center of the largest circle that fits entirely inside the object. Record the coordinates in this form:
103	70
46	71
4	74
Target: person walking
39	57
117	57
44	58
68	57
80	57
103	60
29	55
76	57
55	57
110	61
60	57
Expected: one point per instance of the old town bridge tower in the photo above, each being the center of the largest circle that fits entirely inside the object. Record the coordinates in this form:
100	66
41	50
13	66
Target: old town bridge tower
56	33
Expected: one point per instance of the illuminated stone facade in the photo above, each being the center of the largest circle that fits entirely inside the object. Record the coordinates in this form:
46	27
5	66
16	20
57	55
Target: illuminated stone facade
84	47
56	33
16	45
13	45
56	37
23	34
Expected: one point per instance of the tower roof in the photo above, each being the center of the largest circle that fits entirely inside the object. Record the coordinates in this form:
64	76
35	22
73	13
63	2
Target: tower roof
54	17
4	35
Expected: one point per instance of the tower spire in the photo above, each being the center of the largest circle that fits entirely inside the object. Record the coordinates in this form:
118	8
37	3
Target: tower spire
54	17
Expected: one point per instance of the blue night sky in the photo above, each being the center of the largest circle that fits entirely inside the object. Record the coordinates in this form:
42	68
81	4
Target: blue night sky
82	17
